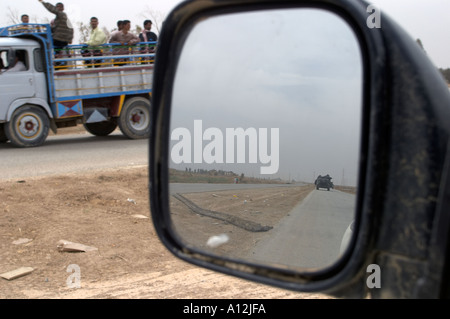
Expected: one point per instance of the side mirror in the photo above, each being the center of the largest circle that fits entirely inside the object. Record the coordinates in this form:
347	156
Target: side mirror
296	146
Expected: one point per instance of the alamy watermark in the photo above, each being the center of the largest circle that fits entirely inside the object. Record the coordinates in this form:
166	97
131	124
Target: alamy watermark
235	145
374	19
374	279
74	280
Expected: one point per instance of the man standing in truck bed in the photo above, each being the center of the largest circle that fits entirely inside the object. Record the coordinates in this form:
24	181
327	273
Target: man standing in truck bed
62	30
126	40
96	38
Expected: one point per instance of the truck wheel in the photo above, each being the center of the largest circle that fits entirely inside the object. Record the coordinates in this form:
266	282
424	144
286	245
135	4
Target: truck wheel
134	120
29	126
101	128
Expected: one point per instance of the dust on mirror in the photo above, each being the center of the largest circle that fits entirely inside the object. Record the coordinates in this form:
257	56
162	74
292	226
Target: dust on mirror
265	136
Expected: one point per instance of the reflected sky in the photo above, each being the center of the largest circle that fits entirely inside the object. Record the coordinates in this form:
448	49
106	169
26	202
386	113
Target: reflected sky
298	70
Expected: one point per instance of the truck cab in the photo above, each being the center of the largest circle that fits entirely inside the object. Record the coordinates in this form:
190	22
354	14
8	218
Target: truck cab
25	86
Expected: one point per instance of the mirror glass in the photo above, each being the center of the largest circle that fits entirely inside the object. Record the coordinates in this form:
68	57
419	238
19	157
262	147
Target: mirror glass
265	136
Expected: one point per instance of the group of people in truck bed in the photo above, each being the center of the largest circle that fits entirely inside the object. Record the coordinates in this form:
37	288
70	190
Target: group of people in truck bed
63	32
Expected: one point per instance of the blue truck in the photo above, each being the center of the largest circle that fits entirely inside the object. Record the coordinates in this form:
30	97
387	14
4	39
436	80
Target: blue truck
102	88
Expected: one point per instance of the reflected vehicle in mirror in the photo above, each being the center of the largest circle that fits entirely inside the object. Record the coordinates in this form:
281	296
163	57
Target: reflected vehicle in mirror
284	138
324	182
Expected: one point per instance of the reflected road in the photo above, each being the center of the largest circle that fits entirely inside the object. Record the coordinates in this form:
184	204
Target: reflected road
310	236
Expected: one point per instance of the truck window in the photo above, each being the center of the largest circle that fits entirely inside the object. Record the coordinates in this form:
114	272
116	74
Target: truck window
20	63
3	60
38	60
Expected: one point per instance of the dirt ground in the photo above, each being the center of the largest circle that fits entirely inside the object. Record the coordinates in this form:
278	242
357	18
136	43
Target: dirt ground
109	210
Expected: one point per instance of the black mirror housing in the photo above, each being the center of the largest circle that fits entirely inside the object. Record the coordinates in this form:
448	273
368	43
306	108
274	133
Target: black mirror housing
401	223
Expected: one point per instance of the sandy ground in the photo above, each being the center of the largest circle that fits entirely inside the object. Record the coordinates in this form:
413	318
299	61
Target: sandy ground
109	211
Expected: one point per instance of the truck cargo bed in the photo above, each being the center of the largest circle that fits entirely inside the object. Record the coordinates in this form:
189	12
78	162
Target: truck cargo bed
98	82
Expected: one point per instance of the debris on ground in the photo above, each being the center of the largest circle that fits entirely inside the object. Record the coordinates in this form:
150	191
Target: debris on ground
19	272
21	241
67	246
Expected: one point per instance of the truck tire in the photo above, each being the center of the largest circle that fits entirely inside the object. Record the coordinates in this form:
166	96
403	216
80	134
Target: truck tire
101	128
134	120
29	126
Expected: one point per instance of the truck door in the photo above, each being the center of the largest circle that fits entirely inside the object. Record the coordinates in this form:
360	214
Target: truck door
15	82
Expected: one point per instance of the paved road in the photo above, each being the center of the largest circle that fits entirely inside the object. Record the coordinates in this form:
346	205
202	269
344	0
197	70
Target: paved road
310	236
72	153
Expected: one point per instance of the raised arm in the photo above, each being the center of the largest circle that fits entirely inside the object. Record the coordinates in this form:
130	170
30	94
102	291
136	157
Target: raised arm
50	7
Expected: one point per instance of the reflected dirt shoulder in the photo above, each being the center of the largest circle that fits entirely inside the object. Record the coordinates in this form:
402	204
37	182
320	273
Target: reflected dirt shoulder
245	216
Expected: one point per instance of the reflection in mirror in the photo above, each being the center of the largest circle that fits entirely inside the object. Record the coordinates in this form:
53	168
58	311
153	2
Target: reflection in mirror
265	130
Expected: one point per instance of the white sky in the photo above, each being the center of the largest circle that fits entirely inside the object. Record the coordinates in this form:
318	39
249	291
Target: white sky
108	12
424	19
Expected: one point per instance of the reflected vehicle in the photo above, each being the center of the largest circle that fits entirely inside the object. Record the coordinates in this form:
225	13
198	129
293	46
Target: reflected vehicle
324	182
253	100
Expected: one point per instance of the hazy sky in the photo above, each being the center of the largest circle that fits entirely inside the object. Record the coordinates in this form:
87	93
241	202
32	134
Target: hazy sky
424	19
